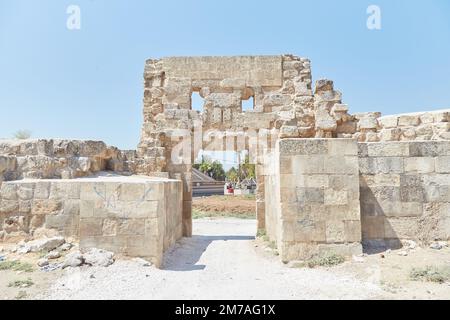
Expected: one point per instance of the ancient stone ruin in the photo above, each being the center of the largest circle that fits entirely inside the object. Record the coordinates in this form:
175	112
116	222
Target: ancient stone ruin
327	179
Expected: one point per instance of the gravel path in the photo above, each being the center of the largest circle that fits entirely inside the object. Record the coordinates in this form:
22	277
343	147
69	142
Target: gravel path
219	262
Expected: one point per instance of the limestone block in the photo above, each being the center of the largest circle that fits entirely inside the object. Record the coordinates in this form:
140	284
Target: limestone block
401	228
9	206
233	83
335	231
324	85
131	227
408	120
380	180
42	190
315	181
132	192
419	164
429	148
8	191
308	195
7	163
388	122
443	116
46	207
368	122
289	132
388	149
285	165
347	127
255	70
90	227
341	165
324	121
373	227
393	134
388	165
276	99
87	208
314	164
412	193
443	164
352	231
335	197
303	147
426	118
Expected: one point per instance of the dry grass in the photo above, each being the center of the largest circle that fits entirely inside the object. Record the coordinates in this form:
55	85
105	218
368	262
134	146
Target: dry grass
16	266
430	274
21	283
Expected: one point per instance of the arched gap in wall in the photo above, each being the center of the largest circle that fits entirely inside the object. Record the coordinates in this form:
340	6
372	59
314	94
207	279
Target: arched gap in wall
197	102
248	105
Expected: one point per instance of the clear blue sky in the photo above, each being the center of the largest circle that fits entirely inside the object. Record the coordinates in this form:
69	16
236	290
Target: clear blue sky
88	83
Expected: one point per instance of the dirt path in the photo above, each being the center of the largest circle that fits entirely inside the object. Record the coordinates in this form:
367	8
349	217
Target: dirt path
222	261
224	206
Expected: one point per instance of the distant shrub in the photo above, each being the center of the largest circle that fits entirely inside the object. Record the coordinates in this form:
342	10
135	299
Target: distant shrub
16	266
22	134
430	274
325	260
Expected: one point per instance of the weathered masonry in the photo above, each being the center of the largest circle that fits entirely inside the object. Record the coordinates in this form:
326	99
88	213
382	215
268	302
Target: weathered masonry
327	179
337	194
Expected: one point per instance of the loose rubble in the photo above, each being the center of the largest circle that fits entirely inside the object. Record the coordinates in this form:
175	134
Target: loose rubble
44	244
93	257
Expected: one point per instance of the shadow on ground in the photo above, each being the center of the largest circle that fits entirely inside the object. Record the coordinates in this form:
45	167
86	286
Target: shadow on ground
187	252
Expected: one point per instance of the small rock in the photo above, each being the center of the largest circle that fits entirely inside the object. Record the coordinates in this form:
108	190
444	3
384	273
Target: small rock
22	250
403	253
388	251
53	255
410	244
42	262
436	246
51	267
2	258
382	256
142	262
98	257
74	259
45	244
444	244
66	247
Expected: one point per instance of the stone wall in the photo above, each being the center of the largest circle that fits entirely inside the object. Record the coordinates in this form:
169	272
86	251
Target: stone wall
284	106
272	209
431	125
53	158
319	198
405	191
133	216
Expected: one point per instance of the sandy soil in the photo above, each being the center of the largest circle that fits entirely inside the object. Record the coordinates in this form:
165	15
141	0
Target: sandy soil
230	205
224	261
40	280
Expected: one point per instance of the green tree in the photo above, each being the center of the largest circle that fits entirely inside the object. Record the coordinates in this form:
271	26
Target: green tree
232	175
247	170
214	169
